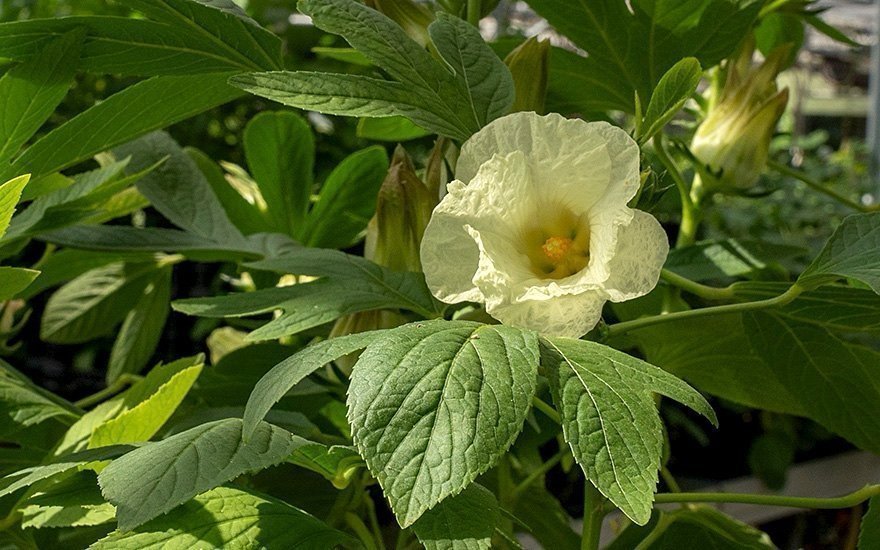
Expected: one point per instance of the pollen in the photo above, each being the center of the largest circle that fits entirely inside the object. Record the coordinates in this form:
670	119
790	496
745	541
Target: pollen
557	248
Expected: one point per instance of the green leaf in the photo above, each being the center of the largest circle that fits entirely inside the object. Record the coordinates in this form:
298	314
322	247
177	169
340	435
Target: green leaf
674	89
455	99
280	151
610	420
178	189
727	258
545	519
393	128
629	51
465	521
288	373
29	476
230	518
336	463
137	110
94	303
24	403
10	193
72	502
837	383
33	89
347	200
64	265
694	527
222	23
127	46
852	251
348	284
158	477
142	328
13	280
433	405
869	534
150	401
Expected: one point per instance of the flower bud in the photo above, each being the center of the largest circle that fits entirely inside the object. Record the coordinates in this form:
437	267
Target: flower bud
403	209
528	65
734	139
412	16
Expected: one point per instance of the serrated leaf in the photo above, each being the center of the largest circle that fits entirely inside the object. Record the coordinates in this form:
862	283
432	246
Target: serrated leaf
347	200
348	284
73	502
160	476
433	405
288	373
672	91
142	328
231	518
869	533
93	304
466	521
33	89
280	151
14	280
610	420
393	128
25	404
10	193
852	251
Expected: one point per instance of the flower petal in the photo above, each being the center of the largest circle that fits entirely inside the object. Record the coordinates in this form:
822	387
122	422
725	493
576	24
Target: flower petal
642	247
571	315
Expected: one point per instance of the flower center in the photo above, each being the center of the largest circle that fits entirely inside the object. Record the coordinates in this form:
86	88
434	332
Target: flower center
557	245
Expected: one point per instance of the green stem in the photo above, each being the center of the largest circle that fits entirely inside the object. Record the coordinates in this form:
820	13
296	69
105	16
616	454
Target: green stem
812	503
816	186
690	211
538	472
117	386
695	288
474	9
546	409
669	479
787	297
357	525
594	513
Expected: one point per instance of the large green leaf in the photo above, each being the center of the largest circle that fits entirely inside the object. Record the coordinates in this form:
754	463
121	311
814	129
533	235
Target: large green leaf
221	22
727	258
94	303
142	328
67	264
348	284
466	521
25	404
230	518
280	150
433	405
137	110
158	477
455	97
852	251
14	280
33	89
73	502
629	51
610	420
288	373
347	200
10	193
693	527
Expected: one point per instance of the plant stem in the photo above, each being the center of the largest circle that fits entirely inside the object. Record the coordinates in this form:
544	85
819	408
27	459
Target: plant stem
538	472
695	288
547	409
669	479
357	525
594	513
813	503
474	9
788	296
117	386
816	186
690	212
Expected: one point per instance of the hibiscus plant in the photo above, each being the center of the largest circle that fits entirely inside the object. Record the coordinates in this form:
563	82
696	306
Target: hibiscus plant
441	272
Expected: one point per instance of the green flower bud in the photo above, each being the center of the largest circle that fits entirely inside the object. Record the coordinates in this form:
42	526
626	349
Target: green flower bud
413	17
528	65
734	139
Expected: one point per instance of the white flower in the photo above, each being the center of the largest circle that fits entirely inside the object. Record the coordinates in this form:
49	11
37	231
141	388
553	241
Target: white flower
536	225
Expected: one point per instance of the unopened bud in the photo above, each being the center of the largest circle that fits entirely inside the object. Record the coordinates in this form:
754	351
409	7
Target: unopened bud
412	16
528	65
734	139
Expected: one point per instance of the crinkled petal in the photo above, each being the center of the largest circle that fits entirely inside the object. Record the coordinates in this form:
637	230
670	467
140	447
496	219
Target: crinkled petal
496	200
642	247
570	315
